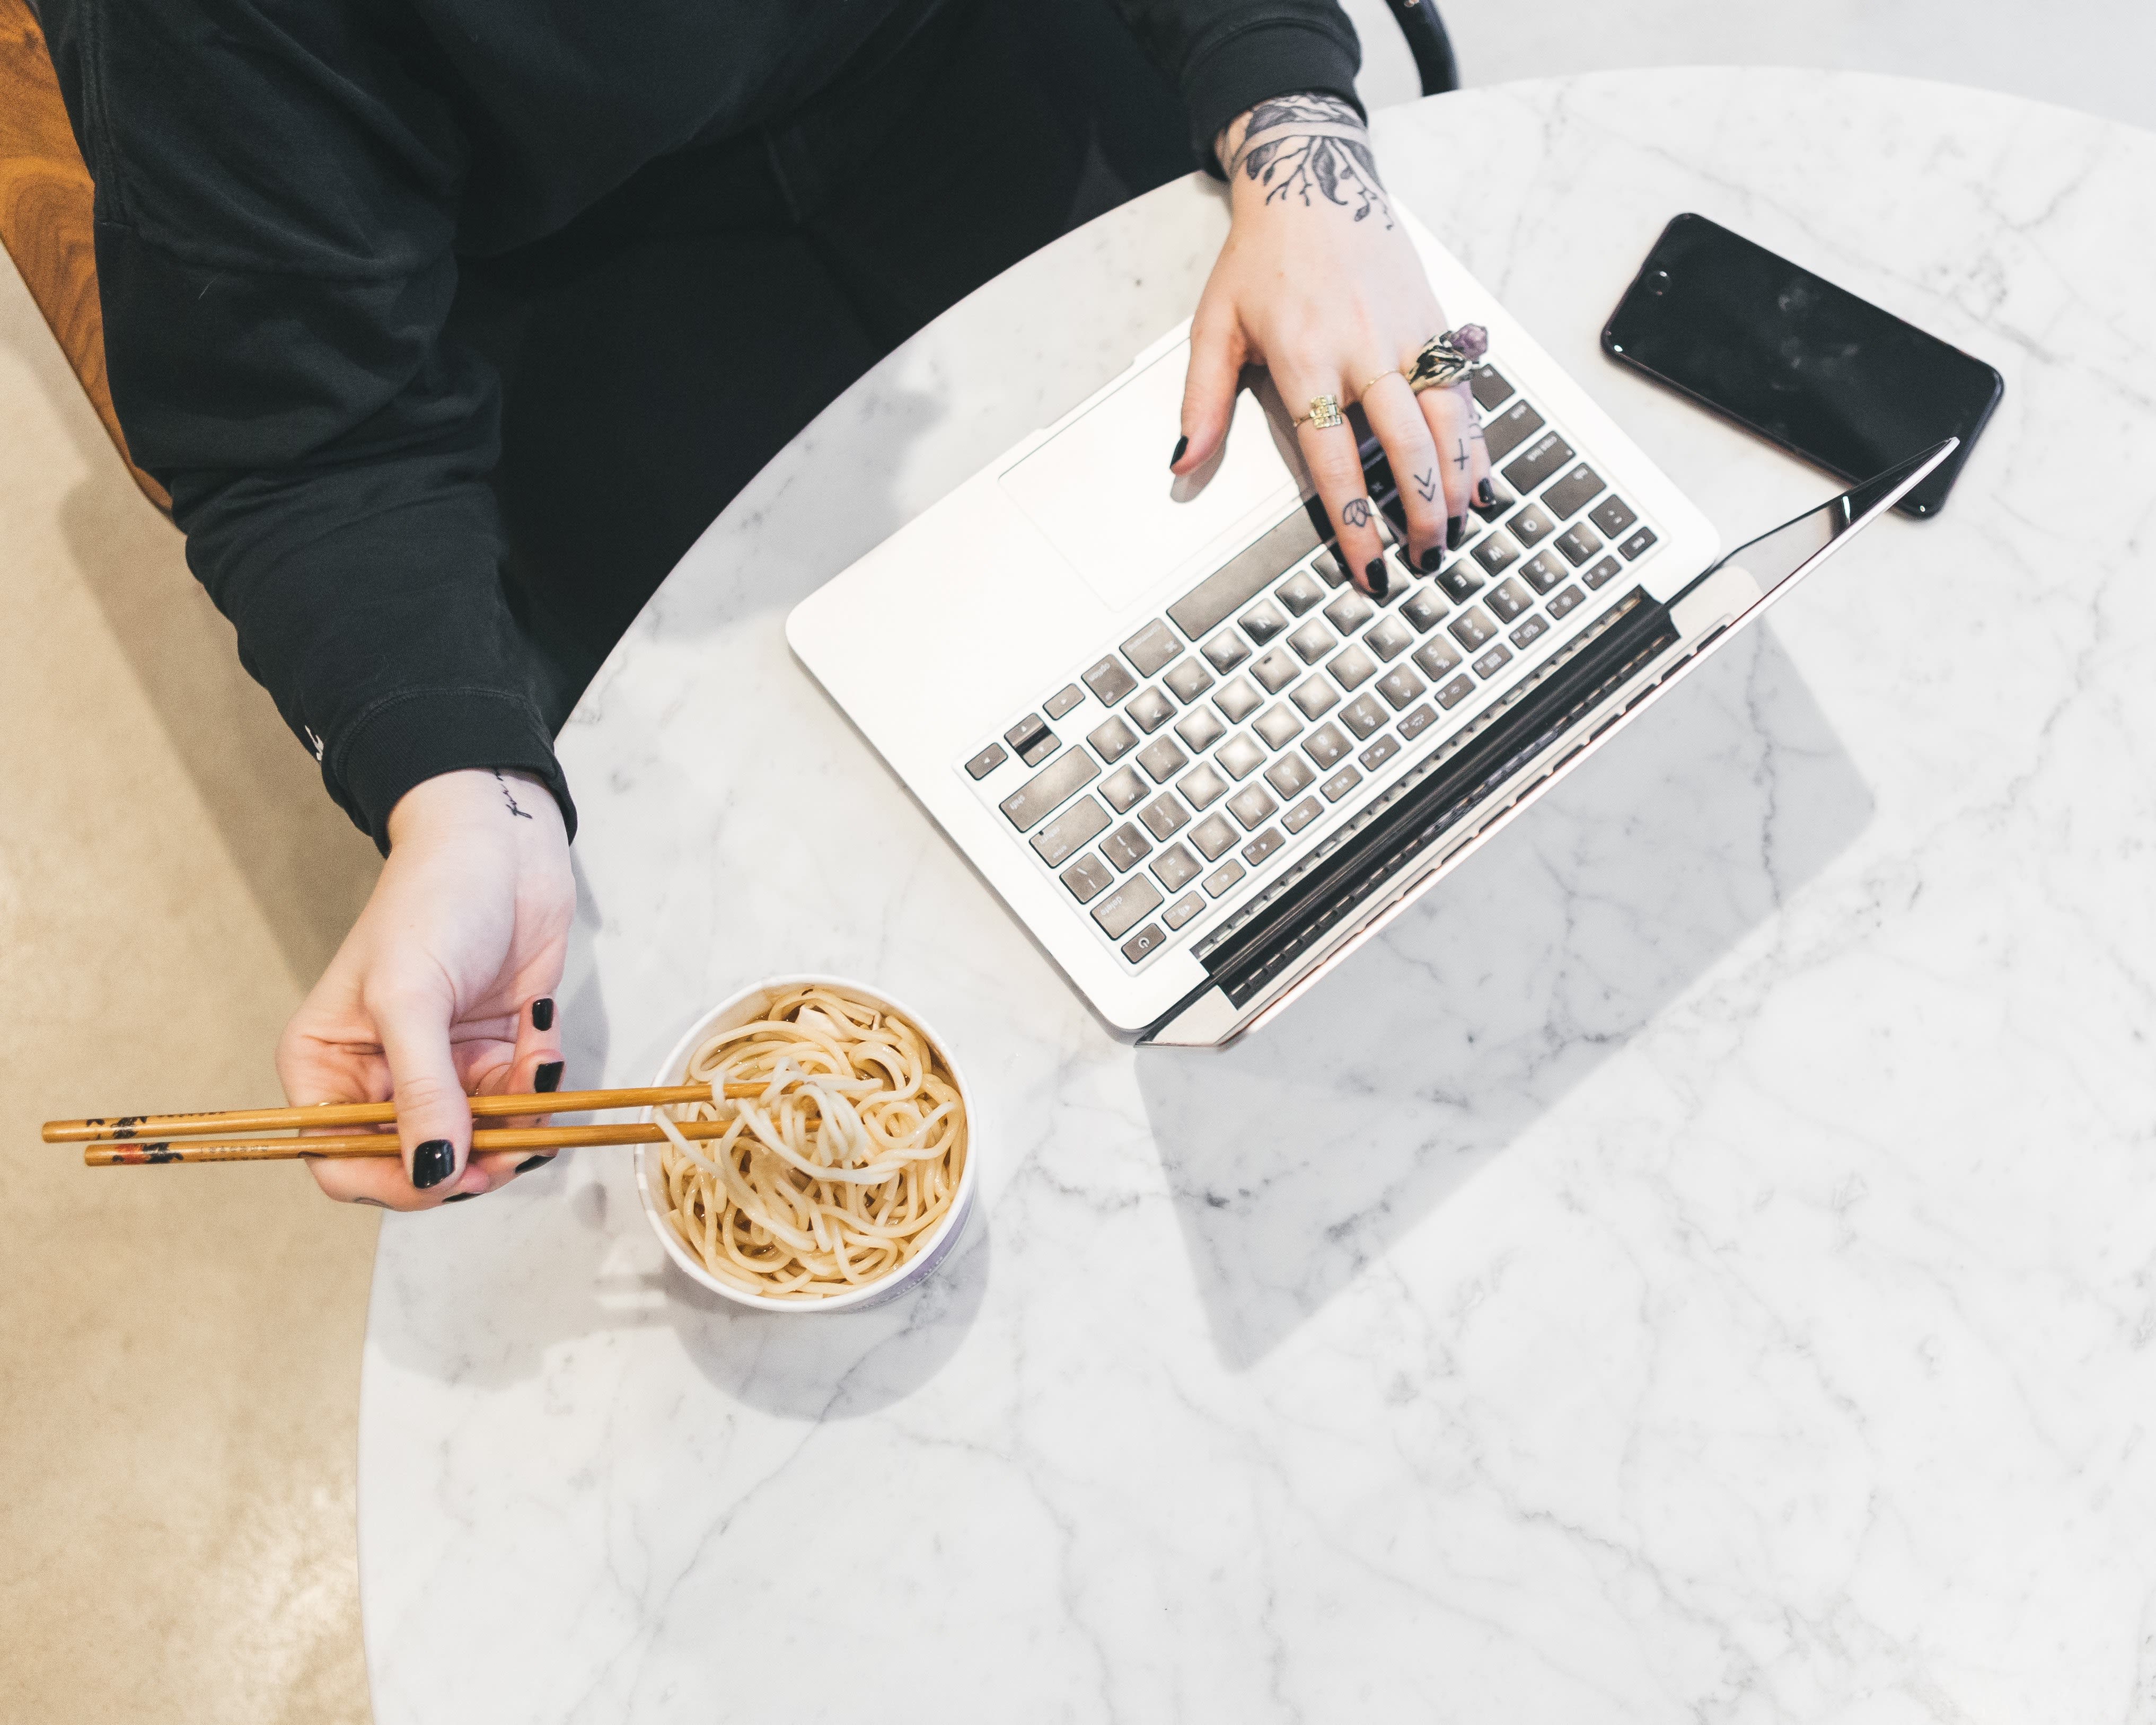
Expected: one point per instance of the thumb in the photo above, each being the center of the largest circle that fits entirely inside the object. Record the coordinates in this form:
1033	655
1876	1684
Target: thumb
434	1120
1208	392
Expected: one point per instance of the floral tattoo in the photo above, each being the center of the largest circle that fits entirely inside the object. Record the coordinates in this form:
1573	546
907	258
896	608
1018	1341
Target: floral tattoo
1300	145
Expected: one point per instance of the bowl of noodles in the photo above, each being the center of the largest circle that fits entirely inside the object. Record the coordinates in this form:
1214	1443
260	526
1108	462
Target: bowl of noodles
832	1167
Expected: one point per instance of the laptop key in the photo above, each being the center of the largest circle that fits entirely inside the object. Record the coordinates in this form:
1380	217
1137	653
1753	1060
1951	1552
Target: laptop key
1040	749
1289	774
1400	686
1261	624
1416	722
1546	455
1164	816
1225	651
1299	591
1490	389
1314	695
1312	641
1237	700
985	763
1325	745
1496	553
1122	789
1578	542
1390	638
1542	571
1023	734
1112	740
1175	867
1505	432
1183	910
1049	789
1213	835
1362	715
1425	610
1349	612
1327	569
1238	757
1202	786
1300	816
1638	543
1126	847
1261	848
1531	525
1087	878
1495	660
1352	668
1223	878
1601	572
1062	701
1143	941
1152	648
1455	691
1251	806
1277	724
1276	670
1200	729
1612	514
1076	827
1149	710
1507	599
1472	627
1379	752
1129	905
1437	658
1528	632
1161	759
1189	679
1342	781
1573	492
1109	681
1502	497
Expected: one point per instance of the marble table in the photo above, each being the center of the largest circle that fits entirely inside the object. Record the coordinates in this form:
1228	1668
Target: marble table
1699	1264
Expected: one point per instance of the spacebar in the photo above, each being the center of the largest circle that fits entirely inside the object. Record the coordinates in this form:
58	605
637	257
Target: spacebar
1245	575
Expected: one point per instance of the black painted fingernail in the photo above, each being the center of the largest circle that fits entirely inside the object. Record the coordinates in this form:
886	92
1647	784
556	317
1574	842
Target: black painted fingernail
1181	444
530	1162
1381	584
1456	531
460	1198
433	1163
1433	560
548	1077
1486	494
542	1014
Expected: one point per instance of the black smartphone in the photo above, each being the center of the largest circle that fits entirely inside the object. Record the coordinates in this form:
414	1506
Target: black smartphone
1802	362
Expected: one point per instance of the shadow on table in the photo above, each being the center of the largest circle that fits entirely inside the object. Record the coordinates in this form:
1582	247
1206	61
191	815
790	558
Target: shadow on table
1438	1043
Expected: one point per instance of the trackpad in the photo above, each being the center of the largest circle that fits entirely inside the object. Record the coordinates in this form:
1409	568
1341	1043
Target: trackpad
1100	491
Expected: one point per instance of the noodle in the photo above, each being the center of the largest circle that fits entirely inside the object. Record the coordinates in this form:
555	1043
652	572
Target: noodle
834	1175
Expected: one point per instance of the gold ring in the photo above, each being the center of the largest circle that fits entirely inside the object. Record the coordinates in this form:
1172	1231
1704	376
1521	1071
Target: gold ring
1394	373
1324	413
1444	360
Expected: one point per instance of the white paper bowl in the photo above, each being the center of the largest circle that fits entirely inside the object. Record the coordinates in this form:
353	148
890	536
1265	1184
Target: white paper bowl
752	1002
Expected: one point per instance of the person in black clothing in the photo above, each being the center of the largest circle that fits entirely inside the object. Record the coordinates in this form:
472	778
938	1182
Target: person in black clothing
449	326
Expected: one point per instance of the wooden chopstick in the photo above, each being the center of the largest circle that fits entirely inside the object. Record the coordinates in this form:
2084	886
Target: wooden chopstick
271	1120
144	1152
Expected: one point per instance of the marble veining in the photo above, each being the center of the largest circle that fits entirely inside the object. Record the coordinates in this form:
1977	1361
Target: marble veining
1698	1265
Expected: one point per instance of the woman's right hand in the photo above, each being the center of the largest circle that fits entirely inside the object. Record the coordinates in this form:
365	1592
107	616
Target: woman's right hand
444	987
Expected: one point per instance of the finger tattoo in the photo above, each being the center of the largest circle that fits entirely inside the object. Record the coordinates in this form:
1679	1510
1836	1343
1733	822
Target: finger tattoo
1356	512
1460	461
1426	483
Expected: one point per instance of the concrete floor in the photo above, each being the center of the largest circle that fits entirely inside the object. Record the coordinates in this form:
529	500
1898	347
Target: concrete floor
179	1353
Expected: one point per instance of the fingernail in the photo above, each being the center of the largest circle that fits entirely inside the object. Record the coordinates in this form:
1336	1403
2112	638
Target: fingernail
542	1014
1433	560
376	1202
1456	531
1181	444
548	1077
530	1162
460	1198
1486	494
433	1163
1381	584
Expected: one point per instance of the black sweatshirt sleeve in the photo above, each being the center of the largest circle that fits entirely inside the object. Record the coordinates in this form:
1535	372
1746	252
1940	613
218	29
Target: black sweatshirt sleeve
1227	56
275	221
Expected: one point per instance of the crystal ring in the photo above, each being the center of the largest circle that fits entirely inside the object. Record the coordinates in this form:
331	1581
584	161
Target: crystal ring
1444	360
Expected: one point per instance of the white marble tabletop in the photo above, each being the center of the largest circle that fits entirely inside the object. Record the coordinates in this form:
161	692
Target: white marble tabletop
1699	1264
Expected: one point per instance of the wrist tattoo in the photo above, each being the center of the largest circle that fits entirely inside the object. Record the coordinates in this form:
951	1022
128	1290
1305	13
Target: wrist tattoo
1295	146
509	796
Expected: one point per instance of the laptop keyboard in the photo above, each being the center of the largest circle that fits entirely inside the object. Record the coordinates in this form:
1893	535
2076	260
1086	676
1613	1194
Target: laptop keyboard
1181	765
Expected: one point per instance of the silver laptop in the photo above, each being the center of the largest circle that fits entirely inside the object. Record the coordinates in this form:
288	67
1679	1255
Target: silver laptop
1199	767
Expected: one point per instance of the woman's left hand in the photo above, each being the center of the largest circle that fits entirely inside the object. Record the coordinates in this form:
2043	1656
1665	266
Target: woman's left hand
1318	283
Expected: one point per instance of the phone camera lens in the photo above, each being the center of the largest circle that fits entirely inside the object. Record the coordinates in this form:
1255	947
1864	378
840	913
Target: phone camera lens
1658	281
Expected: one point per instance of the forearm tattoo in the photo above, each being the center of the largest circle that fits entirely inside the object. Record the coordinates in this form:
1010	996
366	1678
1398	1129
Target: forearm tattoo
1296	145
